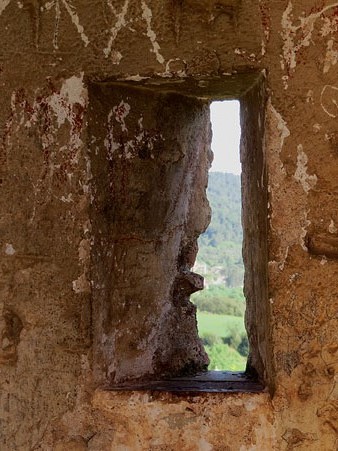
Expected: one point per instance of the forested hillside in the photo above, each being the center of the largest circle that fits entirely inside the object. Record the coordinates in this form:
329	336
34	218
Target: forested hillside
220	247
221	304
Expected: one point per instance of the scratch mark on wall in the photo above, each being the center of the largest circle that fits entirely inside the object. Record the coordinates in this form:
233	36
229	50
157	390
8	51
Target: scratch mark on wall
305	223
71	10
307	181
296	37
120	23
75	19
82	284
328	102
147	16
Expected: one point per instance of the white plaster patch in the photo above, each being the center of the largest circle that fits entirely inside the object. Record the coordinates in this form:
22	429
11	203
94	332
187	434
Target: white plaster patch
281	127
3	5
309	96
62	103
203	445
316	127
251	404
81	285
292	232
307	181
136	77
9	249
147	16
329	26
296	37
68	199
84	251
74	91
332	228
116	57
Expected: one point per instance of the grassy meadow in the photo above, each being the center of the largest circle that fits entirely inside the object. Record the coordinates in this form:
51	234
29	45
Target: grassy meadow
222	335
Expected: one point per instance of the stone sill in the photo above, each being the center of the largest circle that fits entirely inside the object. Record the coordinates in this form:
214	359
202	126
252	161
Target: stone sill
205	382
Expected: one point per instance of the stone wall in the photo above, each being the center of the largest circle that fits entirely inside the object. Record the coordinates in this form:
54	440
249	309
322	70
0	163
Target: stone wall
68	204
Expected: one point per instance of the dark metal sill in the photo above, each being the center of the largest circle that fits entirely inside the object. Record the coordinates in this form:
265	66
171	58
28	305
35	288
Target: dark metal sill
205	382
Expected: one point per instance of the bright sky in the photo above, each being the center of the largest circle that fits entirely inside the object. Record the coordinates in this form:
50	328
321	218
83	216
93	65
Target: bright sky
226	132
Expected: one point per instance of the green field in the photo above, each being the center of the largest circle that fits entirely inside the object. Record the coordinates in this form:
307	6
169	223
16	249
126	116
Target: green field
223	336
219	325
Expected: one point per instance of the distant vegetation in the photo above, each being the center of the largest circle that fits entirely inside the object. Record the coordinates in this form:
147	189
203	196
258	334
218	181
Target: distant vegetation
225	340
221	305
220	247
221	300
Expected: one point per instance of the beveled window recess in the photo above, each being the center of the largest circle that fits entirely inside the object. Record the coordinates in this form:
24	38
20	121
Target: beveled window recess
150	155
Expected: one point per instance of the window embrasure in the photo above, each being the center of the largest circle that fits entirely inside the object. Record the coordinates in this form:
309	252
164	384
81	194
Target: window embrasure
150	152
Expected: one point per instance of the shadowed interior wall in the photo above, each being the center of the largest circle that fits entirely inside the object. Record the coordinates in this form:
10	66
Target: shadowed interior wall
150	159
255	234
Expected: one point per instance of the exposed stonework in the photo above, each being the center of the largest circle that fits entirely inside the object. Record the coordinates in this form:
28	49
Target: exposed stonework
150	157
56	219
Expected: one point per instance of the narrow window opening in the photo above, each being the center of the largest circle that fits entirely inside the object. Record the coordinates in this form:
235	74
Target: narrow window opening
149	177
221	305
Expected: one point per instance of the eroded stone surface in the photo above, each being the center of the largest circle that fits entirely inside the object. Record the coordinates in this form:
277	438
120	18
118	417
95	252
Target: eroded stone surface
150	158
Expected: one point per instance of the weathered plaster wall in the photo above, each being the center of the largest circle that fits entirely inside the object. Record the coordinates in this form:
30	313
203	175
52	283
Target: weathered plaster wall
50	53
